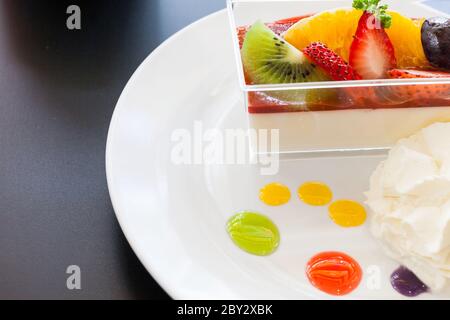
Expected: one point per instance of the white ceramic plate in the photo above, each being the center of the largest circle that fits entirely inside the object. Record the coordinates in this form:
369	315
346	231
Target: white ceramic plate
174	215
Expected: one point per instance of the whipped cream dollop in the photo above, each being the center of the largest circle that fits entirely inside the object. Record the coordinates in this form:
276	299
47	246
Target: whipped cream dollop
409	198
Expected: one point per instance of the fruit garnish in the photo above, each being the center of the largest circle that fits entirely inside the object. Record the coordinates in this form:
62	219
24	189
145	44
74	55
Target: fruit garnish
373	7
330	62
405	35
418	92
333	28
269	59
372	53
336	29
279	27
436	41
338	70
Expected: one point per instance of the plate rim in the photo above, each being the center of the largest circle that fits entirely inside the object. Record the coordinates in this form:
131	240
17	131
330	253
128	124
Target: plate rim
155	274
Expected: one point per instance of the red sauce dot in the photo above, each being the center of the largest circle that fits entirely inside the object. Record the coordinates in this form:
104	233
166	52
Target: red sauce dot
334	272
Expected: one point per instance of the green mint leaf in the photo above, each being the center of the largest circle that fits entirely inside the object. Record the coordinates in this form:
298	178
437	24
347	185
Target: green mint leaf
386	20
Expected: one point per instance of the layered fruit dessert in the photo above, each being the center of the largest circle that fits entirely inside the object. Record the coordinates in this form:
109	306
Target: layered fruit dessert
346	78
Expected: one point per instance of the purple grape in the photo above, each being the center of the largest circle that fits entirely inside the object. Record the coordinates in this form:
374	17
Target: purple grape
436	41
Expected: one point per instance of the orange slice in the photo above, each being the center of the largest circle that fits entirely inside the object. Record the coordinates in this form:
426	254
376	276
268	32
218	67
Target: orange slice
336	29
333	28
406	37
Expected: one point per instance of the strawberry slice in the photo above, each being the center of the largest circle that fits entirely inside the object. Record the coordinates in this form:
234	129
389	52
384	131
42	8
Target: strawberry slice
338	70
330	62
418	94
371	53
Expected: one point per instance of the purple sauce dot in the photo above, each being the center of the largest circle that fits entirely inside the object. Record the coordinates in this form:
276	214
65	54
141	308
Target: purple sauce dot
406	283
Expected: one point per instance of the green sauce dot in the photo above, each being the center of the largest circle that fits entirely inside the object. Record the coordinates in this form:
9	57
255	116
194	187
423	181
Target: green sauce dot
253	233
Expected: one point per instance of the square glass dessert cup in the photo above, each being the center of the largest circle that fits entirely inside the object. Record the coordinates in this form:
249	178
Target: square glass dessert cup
357	116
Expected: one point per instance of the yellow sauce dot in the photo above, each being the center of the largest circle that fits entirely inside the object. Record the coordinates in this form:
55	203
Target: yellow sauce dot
347	213
315	193
275	194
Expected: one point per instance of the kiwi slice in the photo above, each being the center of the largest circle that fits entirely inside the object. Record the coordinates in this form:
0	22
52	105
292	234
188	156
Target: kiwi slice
269	59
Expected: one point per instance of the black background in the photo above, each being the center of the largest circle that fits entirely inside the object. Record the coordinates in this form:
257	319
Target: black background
58	91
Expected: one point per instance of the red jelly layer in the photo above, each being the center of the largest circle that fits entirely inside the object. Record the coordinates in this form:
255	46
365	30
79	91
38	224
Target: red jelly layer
375	98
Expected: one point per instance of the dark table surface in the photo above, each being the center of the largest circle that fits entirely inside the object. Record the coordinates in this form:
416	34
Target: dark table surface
58	91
